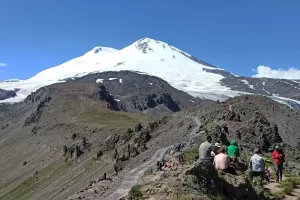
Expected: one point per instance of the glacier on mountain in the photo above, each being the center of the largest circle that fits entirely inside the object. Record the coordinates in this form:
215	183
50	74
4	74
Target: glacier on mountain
145	56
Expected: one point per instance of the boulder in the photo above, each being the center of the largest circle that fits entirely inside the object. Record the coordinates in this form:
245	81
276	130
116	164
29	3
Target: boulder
230	186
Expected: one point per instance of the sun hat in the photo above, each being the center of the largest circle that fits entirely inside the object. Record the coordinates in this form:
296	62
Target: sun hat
217	144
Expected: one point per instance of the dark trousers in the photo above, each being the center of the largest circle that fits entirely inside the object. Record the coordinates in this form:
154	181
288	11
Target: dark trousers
278	170
230	170
261	175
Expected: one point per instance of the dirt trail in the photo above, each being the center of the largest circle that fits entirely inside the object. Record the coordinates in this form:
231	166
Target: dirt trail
132	177
275	187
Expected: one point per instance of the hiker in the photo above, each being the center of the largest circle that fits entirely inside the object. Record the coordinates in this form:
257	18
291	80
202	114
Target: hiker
257	165
178	147
233	151
160	163
278	158
222	161
205	149
216	149
158	167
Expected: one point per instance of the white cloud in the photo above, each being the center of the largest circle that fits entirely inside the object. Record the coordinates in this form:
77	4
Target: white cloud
3	64
264	71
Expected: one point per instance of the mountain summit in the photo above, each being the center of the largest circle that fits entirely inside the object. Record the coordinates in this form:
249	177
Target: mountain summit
180	69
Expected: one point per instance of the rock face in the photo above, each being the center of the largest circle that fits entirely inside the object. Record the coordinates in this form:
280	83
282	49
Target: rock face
105	96
226	185
134	92
36	115
207	176
5	94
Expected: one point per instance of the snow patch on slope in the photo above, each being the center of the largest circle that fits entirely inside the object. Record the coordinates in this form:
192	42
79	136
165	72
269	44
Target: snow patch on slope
99	80
247	83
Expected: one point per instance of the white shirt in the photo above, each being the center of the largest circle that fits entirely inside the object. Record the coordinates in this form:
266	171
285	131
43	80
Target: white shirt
258	163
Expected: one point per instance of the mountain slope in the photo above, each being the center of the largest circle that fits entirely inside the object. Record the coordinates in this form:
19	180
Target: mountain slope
88	115
252	120
180	69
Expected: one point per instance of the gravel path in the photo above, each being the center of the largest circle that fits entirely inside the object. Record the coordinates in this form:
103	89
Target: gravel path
132	177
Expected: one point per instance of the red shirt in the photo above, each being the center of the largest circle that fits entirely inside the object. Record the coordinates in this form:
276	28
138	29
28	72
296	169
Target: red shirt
278	158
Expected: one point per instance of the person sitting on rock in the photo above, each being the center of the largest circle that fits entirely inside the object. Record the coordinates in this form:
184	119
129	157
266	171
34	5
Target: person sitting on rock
222	161
215	150
257	166
233	151
278	158
205	149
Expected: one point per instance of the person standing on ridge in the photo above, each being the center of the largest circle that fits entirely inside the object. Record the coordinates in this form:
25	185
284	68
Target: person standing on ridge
205	149
278	158
233	151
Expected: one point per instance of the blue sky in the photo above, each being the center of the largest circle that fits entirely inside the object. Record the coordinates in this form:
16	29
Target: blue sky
235	35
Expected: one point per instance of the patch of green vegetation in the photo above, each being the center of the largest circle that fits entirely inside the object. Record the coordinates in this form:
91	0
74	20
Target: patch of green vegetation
287	173
55	172
189	155
175	174
289	184
135	192
27	187
279	195
218	197
220	174
268	161
113	118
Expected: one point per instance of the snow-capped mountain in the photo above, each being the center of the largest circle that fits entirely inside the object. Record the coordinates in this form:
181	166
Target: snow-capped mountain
156	58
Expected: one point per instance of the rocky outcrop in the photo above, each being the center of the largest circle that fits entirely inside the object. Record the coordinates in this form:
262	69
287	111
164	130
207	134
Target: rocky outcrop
207	176
136	92
36	115
218	183
5	94
38	95
75	150
104	95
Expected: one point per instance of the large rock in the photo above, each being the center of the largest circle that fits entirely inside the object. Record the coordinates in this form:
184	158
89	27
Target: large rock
218	183
206	174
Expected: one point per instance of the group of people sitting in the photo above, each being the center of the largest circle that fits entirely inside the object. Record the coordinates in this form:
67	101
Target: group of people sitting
223	158
220	156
